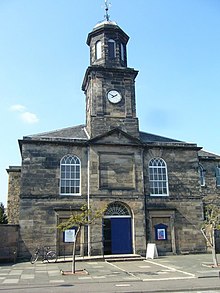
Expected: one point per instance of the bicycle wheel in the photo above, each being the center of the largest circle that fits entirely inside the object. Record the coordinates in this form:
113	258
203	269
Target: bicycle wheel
34	258
51	256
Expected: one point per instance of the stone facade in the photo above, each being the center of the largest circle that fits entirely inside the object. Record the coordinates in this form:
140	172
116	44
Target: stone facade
9	247
14	185
113	161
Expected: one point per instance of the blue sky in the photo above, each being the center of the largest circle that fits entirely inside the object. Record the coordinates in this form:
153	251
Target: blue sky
175	45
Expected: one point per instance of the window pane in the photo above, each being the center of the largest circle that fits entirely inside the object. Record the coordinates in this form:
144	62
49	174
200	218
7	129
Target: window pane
98	50
111	49
218	180
122	52
68	160
62	183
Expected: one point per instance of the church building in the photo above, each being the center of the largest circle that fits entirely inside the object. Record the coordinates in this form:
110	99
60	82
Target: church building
152	186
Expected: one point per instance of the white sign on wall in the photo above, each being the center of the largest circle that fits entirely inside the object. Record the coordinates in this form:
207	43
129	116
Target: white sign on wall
69	235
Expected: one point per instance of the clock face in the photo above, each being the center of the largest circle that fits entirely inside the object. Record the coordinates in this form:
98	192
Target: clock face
114	96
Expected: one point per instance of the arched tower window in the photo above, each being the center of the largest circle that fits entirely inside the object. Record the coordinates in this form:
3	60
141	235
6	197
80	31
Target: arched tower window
111	49
201	175
217	174
123	54
70	173
98	50
158	177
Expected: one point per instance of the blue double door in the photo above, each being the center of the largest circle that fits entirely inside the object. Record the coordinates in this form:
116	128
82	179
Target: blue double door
117	236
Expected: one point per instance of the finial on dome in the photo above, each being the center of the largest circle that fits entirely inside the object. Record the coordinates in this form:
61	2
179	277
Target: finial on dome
106	20
107	5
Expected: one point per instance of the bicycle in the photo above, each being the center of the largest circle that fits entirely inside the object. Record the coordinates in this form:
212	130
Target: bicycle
45	254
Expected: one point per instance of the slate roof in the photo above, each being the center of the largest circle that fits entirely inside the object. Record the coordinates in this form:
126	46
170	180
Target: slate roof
79	133
149	138
75	132
207	155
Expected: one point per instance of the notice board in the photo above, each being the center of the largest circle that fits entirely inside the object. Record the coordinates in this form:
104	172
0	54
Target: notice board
151	251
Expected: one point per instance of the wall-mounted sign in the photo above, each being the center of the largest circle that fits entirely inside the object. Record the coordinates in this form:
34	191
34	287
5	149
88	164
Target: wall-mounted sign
160	232
69	235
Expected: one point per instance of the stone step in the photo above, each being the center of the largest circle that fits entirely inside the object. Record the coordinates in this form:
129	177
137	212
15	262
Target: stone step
114	258
109	258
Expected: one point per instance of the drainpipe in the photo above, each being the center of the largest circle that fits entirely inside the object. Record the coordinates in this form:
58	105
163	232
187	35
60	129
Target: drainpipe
145	199
88	197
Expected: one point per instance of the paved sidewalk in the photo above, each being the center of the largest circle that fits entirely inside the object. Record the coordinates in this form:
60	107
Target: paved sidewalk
198	264
164	268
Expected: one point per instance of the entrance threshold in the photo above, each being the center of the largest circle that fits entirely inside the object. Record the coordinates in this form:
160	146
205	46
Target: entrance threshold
109	258
122	257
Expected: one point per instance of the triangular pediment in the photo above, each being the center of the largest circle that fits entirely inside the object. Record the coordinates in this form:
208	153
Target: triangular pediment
115	136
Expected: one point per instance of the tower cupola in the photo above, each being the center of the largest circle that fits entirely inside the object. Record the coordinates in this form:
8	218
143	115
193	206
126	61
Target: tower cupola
107	43
109	85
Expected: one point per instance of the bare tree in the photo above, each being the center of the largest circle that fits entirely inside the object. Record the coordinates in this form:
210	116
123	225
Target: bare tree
211	223
87	216
3	216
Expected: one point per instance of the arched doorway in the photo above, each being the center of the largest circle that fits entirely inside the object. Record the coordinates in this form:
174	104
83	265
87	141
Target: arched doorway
117	231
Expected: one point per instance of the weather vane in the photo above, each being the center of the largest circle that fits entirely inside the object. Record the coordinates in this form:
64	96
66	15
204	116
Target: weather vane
107	5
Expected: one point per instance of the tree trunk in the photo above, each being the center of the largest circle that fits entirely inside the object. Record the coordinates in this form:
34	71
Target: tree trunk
74	251
214	256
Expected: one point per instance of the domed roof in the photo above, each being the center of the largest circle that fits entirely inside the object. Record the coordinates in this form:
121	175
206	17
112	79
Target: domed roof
104	22
106	25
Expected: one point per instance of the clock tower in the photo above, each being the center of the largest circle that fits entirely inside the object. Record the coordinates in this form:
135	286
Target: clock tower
109	85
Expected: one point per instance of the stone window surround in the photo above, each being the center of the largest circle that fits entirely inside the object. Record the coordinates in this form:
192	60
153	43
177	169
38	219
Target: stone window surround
153	181
76	162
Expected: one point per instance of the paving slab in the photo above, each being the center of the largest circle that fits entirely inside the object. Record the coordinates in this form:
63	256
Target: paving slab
147	270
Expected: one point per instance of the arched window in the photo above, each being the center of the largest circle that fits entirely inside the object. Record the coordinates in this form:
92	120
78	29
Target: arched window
122	52
111	49
117	209
201	175
70	175
158	177
98	50
217	174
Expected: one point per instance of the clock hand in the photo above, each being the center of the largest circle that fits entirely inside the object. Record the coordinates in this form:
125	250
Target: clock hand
113	95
